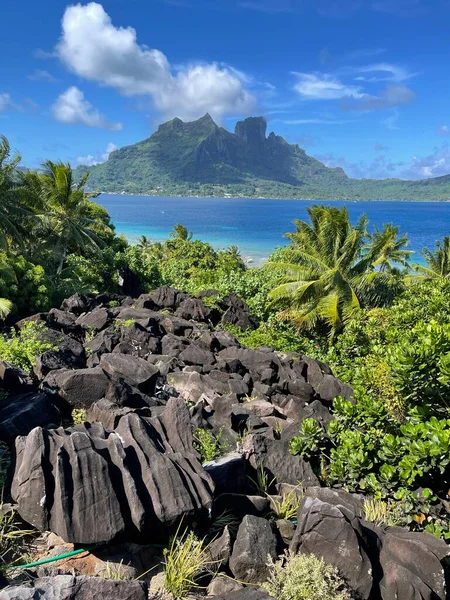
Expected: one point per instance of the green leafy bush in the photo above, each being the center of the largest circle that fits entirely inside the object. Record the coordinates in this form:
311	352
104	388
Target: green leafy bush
209	445
305	577
24	283
22	348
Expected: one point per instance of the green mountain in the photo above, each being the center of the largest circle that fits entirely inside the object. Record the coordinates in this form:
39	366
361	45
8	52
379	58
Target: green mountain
201	158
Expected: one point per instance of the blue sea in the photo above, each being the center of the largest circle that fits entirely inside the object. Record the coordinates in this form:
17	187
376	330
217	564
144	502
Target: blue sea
258	226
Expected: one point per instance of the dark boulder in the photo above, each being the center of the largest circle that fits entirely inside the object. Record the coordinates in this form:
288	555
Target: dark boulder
79	388
195	355
135	371
194	309
77	304
67	353
177	326
52	360
147	318
238	314
103	342
142	478
63	321
109	413
412	565
96	320
140	340
240	505
22	413
335	534
71	587
164	297
274	457
336	497
13	379
228	473
255	543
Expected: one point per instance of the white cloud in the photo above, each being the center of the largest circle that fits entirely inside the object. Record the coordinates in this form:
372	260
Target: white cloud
393	95
384	72
72	107
5	102
40	75
315	122
444	130
322	86
379	168
391	122
93	48
435	164
400	8
91	160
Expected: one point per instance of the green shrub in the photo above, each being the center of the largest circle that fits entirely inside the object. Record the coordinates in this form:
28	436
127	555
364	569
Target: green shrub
22	348
305	577
310	440
208	444
24	283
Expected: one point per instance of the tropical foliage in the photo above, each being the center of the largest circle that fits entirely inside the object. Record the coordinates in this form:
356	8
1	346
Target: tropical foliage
331	271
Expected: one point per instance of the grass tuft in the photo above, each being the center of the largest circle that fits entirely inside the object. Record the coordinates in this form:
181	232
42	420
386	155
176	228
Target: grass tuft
185	560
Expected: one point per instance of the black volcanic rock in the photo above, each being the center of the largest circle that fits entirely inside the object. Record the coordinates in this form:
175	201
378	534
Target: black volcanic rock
143	477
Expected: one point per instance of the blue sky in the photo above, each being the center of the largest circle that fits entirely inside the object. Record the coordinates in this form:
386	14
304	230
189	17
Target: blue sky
363	84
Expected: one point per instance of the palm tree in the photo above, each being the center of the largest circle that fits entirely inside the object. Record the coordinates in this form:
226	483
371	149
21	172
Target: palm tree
330	270
391	248
10	208
180	233
64	211
144	242
5	308
438	261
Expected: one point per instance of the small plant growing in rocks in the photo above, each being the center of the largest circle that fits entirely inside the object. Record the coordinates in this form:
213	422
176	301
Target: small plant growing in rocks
208	444
185	560
305	577
382	513
287	504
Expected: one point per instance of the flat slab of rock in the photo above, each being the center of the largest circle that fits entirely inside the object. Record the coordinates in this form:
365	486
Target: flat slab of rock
133	370
69	587
80	388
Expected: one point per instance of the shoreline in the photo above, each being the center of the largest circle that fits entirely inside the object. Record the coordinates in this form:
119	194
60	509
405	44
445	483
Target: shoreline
139	194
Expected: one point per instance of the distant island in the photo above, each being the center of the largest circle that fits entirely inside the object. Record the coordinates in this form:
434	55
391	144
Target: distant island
202	159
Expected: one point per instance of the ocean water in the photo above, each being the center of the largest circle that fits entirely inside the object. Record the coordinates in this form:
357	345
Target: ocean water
258	226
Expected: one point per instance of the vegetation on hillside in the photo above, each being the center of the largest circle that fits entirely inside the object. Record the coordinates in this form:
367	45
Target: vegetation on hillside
201	158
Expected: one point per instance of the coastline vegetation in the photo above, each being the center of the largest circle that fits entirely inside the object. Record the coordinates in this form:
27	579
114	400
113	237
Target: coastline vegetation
340	293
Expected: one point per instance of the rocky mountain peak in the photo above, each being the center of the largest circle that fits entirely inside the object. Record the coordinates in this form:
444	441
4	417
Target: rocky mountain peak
251	130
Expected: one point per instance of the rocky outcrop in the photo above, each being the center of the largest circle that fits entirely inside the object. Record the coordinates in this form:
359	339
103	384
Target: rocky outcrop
90	485
69	587
148	373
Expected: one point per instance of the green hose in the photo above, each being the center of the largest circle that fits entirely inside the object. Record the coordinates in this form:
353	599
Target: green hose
44	561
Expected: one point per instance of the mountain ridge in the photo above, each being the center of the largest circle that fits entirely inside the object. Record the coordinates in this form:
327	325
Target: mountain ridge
204	159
